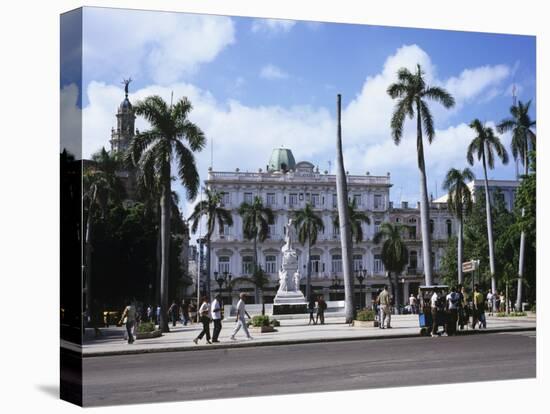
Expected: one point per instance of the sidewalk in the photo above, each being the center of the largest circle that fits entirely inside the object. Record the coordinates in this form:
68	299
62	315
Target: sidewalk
291	331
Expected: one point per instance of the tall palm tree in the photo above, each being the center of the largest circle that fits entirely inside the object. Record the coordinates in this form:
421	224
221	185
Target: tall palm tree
308	224
460	205
394	254
256	220
153	152
356	218
523	138
212	209
101	185
485	145
343	214
412	92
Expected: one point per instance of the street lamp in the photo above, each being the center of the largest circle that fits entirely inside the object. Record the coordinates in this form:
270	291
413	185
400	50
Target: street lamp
223	278
361	274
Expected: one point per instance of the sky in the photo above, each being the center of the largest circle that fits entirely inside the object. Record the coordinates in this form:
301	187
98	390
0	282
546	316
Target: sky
258	84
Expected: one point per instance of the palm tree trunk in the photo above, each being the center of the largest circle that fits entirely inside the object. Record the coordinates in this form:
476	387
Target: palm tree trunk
519	296
159	259
256	292
308	279
209	276
343	217
397	294
424	204
489	226
165	250
459	252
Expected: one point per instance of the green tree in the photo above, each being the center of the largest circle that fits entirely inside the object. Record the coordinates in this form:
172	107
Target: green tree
412	94
308	224
212	209
460	204
523	137
154	151
256	220
356	218
484	146
394	254
101	186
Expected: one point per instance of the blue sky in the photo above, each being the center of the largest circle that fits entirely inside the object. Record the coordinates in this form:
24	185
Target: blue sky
257	84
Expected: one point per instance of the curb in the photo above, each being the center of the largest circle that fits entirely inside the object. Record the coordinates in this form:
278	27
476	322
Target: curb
253	344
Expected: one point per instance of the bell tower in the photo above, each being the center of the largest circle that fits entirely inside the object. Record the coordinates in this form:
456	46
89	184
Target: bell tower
124	132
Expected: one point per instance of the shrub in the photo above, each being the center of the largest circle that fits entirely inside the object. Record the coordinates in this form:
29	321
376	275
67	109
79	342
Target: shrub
275	322
260	320
365	315
145	327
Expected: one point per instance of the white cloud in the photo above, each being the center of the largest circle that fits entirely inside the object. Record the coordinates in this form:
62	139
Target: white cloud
168	46
272	26
472	82
71	125
272	72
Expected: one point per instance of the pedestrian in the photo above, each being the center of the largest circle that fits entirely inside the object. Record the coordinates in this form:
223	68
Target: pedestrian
240	319
385	307
503	300
490	301
193	311
149	313
321	307
462	319
173	312
479	308
311	309
433	306
204	311
452	304
498	297
184	312
157	315
217	317
412	304
128	318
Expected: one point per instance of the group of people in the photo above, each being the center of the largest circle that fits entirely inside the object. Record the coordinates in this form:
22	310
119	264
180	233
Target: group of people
321	306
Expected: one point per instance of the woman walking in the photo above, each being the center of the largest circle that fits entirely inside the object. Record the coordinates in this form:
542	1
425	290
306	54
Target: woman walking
204	311
129	319
311	310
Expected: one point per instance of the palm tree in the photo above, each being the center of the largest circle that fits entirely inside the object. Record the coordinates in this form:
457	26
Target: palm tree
215	213
101	185
484	145
153	152
308	224
523	137
256	220
460	204
394	253
412	92
343	214
356	218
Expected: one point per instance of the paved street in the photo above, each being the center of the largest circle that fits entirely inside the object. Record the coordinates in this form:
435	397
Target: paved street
346	365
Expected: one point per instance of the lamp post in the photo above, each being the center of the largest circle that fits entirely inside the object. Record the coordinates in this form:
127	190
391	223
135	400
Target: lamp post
360	274
223	278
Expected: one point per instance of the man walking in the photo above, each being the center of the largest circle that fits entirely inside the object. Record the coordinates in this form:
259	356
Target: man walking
204	311
311	309
129	319
479	308
453	302
217	317
184	312
173	313
412	304
321	307
241	322
385	307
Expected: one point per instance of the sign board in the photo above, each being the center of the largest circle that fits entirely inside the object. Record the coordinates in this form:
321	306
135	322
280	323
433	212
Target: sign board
470	266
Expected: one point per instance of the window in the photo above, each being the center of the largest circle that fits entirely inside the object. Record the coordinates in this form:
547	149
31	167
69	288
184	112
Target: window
434	262
315	200
226	230
412	220
226	199
432	227
315	263
377	226
248	262
378	202
357	199
270	199
413	259
336	263
412	232
449	228
248	198
223	264
334	201
271	231
397	220
357	262
271	264
335	231
293	200
378	266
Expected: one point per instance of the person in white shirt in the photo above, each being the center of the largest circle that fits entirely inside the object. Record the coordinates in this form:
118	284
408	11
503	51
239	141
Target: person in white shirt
412	303
490	301
204	311
433	305
217	317
241	322
453	302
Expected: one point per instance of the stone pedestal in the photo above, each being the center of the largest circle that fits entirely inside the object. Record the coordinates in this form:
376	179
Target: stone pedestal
289	309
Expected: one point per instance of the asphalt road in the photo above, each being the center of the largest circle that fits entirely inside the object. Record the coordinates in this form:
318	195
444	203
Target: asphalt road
317	367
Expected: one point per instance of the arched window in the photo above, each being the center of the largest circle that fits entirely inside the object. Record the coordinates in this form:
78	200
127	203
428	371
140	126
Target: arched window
336	263
271	264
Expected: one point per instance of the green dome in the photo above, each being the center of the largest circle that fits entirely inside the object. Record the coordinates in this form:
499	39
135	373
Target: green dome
281	160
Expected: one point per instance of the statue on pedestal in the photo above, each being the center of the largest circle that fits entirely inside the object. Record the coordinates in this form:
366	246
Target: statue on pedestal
289	277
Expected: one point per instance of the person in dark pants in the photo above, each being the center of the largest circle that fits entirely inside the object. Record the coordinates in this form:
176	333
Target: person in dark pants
184	313
433	306
452	304
173	312
311	309
321	307
129	319
204	310
217	317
